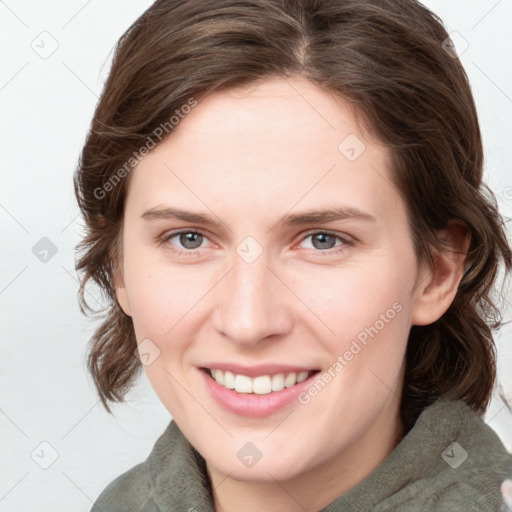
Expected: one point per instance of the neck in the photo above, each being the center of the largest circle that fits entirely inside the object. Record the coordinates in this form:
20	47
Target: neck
320	485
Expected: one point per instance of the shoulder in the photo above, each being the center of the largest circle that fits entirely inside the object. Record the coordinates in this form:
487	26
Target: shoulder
129	491
134	489
475	463
173	477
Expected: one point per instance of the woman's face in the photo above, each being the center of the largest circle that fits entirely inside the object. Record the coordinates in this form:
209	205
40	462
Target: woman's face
264	239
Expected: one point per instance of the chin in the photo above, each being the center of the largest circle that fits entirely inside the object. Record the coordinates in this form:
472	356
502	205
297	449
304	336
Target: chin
269	468
269	472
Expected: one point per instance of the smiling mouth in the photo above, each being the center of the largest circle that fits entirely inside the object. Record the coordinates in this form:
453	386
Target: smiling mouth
260	385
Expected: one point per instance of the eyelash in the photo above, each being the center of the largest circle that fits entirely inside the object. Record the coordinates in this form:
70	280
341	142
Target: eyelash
346	241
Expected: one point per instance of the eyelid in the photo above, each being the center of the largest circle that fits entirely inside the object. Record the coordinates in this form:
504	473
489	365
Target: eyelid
343	236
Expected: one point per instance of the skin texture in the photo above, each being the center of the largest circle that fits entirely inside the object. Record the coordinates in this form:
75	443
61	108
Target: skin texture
247	158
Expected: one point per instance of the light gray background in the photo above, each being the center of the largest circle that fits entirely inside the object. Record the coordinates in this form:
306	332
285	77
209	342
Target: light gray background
46	105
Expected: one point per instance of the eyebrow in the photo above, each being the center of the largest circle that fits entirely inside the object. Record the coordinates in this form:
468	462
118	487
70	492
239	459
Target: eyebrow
293	219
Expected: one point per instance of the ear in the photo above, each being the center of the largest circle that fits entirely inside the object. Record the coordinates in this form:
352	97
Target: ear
121	295
439	285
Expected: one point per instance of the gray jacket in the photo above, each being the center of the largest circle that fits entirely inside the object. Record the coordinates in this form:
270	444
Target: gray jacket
451	460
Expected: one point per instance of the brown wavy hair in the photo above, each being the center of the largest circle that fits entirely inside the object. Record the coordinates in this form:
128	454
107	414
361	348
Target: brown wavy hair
389	58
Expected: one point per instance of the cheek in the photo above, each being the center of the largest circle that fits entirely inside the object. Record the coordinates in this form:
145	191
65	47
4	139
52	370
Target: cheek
158	304
367	309
358	296
160	294
162	304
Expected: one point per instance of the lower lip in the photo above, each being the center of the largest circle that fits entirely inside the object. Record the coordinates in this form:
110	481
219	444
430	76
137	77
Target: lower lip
251	404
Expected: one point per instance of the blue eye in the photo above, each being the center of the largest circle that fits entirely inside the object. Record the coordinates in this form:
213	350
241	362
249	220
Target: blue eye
323	240
189	240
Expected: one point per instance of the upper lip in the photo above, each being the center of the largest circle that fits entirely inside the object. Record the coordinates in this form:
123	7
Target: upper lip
256	370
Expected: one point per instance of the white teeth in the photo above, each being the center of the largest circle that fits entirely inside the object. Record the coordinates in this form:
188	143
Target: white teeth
278	382
243	384
229	380
260	385
290	380
219	376
302	376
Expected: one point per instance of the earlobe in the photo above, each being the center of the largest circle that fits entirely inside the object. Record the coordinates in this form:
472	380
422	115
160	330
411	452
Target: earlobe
439	285
121	295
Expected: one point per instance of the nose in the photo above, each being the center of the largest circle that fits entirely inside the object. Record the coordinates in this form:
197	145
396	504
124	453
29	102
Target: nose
252	303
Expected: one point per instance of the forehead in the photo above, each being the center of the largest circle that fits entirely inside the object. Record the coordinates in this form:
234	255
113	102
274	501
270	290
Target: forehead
276	142
275	113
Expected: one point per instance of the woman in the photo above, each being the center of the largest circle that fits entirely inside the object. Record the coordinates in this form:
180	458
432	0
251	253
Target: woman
284	205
